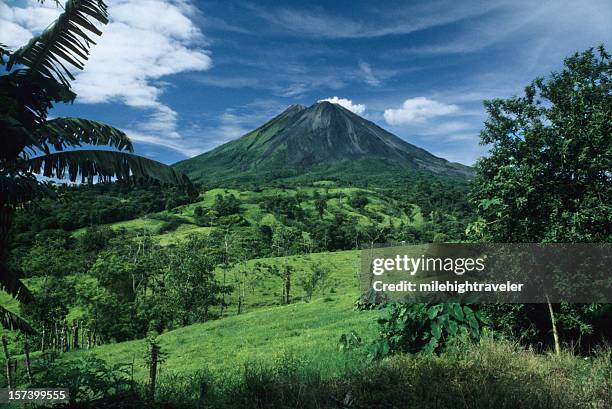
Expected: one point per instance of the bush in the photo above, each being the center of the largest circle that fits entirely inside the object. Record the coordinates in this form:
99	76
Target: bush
86	378
358	200
423	327
169	226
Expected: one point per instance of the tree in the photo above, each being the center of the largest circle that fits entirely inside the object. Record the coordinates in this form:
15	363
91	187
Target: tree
315	276
547	175
226	205
547	178
320	203
38	76
358	199
193	287
285	239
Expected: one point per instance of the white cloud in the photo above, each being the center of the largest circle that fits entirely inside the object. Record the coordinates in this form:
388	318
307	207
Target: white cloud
346	103
145	41
368	74
537	34
176	145
382	21
417	110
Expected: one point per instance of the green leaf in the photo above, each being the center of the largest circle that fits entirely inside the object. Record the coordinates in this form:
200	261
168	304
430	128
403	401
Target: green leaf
433	311
61	133
105	165
473	323
385	348
482	318
468	311
12	284
452	327
431	345
457	312
65	41
436	330
14	322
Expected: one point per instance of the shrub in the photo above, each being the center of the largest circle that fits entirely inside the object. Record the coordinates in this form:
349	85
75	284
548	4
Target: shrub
86	378
423	327
169	226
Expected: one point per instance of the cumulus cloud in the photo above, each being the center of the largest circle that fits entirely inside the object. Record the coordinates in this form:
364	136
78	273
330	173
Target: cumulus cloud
417	110
145	41
346	103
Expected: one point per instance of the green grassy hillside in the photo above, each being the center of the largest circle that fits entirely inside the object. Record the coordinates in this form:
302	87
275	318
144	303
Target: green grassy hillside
310	330
380	210
316	324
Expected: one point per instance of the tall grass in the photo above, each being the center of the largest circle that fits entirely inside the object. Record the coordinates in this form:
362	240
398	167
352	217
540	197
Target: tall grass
489	374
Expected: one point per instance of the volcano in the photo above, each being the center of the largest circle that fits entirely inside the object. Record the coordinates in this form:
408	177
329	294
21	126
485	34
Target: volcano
323	141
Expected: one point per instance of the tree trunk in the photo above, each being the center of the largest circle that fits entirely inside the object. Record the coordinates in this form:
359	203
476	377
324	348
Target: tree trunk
239	284
287	288
7	358
287	282
225	266
153	350
26	352
63	347
75	335
553	323
55	338
42	339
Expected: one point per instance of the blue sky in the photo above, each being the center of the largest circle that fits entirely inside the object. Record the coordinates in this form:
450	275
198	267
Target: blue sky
181	77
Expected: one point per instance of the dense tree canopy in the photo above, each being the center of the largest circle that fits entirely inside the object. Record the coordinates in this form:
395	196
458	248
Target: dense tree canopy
548	178
548	175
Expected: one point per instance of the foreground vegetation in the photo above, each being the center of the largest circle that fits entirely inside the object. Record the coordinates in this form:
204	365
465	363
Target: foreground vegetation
247	297
487	374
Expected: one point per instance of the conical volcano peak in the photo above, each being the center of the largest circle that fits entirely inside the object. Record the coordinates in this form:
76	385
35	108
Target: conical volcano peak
322	137
326	106
323	104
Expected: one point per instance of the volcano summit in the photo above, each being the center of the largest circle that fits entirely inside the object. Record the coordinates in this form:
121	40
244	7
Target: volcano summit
323	141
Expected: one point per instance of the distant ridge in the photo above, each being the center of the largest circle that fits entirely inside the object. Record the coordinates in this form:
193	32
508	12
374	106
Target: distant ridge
324	140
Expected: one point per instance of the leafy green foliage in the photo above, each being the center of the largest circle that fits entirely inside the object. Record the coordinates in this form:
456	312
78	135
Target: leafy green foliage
424	327
226	205
358	199
547	179
66	40
86	378
548	169
52	254
587	325
62	133
90	206
105	165
52	302
37	76
315	276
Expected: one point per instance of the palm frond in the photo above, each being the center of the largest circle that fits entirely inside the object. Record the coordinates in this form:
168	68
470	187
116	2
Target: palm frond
105	165
61	133
17	188
15	136
4	51
31	95
66	41
12	284
12	321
